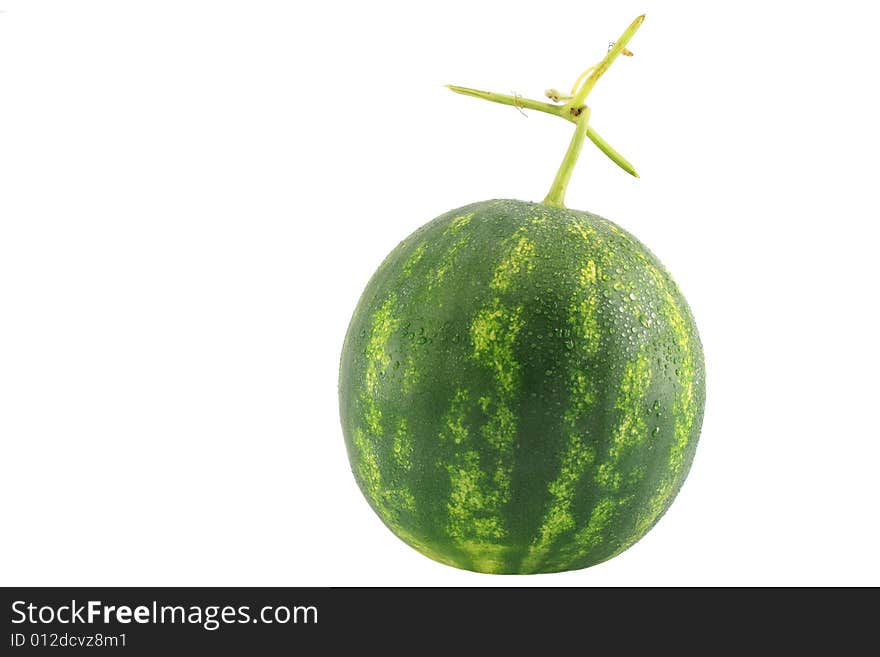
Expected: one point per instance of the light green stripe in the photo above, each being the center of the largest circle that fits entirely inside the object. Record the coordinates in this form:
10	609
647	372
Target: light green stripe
521	259
684	409
584	323
388	502
631	429
382	325
454	421
481	487
448	262
401	448
493	334
458	223
630	432
559	518
414	259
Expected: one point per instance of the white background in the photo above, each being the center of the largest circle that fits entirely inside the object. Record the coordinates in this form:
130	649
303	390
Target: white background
193	195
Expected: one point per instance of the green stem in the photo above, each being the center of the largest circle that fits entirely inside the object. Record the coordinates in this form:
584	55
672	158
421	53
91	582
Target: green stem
555	110
606	148
556	196
618	47
576	111
515	101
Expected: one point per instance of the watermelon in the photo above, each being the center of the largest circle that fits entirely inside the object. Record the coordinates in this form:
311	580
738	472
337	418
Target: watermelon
521	389
521	385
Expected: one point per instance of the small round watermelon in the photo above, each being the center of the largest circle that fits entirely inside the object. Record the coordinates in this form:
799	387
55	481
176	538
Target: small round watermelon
521	388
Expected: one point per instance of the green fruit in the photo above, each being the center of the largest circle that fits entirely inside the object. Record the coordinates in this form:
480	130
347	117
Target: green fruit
521	389
522	385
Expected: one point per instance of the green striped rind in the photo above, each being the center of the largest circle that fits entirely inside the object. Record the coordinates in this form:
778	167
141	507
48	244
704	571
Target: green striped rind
521	389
